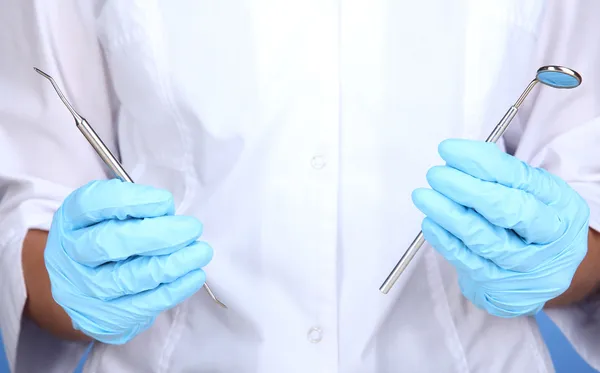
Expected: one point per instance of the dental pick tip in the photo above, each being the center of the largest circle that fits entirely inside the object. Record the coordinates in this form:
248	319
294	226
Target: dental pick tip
78	118
212	295
42	73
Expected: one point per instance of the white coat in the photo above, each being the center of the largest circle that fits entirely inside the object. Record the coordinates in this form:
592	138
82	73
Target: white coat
295	131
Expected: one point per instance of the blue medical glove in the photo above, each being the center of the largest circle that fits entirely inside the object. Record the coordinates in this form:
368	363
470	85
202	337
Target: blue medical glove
516	234
117	256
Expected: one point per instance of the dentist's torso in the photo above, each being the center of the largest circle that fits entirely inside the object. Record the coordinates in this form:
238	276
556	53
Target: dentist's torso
296	131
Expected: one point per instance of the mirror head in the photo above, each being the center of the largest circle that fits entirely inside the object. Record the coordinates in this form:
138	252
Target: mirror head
558	77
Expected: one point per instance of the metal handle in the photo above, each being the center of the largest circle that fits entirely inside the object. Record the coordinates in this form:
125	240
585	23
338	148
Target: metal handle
102	150
402	263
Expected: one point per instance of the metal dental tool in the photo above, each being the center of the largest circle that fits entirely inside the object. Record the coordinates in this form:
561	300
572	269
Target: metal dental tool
103	151
553	76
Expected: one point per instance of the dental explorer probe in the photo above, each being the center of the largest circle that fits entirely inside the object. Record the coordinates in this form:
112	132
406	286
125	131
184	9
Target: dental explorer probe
103	151
553	76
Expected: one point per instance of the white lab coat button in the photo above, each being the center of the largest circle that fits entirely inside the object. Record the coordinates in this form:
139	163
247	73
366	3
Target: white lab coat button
315	335
317	162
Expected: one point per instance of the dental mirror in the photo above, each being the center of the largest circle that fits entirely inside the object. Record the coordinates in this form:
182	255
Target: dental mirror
552	76
558	77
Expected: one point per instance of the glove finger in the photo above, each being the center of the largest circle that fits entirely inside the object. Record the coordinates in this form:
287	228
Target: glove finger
108	324
114	199
501	246
522	302
487	162
456	253
117	321
164	297
476	274
113	332
143	273
503	206
116	240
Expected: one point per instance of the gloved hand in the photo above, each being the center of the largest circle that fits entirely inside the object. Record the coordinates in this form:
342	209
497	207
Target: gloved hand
117	256
516	234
